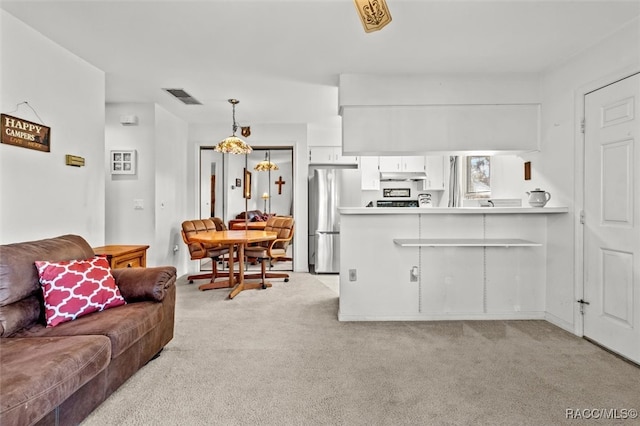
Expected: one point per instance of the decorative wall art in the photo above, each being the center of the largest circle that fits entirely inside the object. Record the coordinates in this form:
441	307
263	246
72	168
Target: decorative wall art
19	132
123	162
73	160
280	182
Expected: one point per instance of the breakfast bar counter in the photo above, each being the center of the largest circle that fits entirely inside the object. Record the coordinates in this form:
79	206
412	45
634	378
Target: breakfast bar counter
444	263
451	210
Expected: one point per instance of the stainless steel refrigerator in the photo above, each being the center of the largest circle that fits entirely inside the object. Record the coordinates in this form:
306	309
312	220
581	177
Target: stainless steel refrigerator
329	188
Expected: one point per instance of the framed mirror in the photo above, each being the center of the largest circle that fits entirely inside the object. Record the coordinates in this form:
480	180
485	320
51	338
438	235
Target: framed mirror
231	185
272	187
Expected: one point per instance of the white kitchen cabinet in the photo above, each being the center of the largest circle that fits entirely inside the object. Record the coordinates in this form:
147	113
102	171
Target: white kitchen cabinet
436	167
369	173
329	155
402	164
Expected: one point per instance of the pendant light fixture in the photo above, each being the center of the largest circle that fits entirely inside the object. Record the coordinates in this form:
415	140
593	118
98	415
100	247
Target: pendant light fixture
266	165
233	144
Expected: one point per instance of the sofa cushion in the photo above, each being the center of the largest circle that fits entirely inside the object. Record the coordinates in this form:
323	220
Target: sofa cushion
77	287
19	276
37	374
124	325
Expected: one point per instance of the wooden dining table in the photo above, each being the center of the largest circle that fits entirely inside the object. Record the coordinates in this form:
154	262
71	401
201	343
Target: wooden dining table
233	238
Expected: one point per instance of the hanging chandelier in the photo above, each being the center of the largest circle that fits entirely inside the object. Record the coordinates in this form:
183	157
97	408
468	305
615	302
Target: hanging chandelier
233	144
265	165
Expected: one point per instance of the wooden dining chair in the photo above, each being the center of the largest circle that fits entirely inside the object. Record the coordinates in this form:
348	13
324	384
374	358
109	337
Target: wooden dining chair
199	251
272	250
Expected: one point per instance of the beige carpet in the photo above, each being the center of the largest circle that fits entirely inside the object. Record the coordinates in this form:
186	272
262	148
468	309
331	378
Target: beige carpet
280	357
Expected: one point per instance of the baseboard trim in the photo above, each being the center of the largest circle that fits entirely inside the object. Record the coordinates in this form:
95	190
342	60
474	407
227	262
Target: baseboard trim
559	322
445	317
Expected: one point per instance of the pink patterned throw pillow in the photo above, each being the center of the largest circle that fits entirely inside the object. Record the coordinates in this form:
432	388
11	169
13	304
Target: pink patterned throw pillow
77	287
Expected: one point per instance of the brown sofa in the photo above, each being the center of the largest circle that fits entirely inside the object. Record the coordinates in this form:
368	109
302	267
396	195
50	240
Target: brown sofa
58	375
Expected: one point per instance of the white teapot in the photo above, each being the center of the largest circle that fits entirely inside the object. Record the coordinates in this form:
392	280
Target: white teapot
538	197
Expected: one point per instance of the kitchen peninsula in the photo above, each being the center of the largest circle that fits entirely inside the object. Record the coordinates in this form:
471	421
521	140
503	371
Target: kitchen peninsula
444	263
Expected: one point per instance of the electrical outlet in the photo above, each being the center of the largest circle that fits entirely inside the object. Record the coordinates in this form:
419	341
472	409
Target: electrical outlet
353	276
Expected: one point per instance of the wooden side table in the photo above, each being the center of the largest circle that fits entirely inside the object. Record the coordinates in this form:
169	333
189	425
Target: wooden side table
124	256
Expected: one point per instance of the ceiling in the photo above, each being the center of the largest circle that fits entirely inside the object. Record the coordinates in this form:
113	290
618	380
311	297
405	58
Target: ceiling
282	58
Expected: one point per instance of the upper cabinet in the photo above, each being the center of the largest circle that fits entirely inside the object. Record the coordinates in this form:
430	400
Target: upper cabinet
402	164
329	155
436	167
380	130
369	173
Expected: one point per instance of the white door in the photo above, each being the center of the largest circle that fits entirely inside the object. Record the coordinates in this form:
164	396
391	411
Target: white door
612	217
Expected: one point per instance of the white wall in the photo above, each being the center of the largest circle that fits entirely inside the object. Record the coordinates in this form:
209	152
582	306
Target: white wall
170	194
557	167
507	178
159	139
280	135
41	196
124	224
325	133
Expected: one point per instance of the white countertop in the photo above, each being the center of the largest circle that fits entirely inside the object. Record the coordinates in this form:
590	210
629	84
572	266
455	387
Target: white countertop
451	210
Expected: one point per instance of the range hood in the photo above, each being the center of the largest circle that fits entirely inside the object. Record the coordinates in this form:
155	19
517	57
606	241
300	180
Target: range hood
402	176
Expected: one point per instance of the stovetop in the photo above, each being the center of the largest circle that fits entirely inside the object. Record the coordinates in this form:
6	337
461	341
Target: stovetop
397	203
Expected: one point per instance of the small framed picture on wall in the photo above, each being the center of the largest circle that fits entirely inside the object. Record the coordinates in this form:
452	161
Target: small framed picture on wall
123	162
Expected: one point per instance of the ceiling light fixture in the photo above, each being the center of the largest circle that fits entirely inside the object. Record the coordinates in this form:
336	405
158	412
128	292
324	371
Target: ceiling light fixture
233	144
374	14
266	165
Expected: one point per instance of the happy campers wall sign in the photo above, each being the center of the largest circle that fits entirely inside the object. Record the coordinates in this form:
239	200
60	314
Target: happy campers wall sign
19	132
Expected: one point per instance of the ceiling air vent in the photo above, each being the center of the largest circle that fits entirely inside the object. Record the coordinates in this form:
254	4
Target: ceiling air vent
183	96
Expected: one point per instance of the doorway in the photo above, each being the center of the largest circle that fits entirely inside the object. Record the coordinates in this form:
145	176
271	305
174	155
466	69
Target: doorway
212	188
611	284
